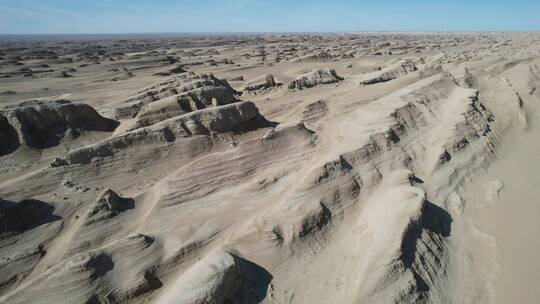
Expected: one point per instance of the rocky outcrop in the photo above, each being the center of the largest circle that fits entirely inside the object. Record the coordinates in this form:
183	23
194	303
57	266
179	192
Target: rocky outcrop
161	110
108	205
320	76
314	111
8	137
179	104
468	80
220	277
401	68
214	279
43	123
320	56
177	70
418	251
269	82
202	122
193	91
24	215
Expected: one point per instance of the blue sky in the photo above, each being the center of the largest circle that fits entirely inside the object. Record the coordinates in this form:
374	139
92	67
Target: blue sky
142	16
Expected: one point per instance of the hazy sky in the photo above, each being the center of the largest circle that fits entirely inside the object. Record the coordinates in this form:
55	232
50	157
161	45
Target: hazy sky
141	16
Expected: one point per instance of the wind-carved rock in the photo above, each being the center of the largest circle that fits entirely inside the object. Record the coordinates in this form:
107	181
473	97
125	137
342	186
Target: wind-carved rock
320	76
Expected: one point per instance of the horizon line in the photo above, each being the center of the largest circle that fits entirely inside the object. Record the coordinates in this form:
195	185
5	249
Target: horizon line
268	32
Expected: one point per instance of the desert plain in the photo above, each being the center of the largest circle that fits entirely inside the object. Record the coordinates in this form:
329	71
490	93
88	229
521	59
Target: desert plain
270	168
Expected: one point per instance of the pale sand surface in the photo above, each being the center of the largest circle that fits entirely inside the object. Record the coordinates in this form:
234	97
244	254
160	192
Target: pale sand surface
513	217
277	168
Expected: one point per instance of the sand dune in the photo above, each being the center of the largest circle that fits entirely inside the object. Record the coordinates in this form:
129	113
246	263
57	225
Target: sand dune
353	168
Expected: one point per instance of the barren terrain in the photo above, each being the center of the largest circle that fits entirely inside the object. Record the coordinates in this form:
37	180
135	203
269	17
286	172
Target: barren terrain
275	168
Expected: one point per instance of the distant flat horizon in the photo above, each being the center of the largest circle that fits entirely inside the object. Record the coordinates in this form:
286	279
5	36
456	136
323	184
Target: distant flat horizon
213	34
106	17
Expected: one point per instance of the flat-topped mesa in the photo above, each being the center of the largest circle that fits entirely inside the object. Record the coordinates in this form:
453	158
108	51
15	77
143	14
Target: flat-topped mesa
203	122
390	73
192	91
311	79
43	123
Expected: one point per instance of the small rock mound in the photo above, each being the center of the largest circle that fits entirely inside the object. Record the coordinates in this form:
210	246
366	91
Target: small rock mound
64	74
177	70
108	205
220	277
268	83
293	129
237	78
320	76
315	220
211	280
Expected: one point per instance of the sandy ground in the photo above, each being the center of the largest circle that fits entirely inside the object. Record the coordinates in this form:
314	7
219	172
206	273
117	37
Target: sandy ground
511	217
290	168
